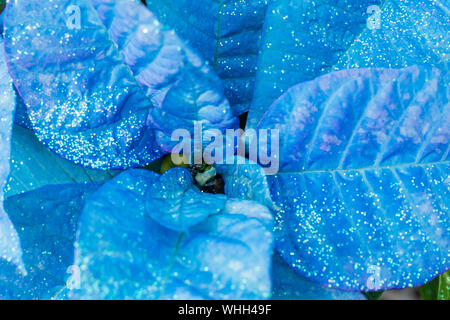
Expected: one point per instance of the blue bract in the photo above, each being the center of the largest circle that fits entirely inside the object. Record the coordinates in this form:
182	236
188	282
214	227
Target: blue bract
34	166
91	72
357	89
21	115
226	33
245	180
305	39
1	22
125	250
363	187
9	241
287	285
177	204
46	220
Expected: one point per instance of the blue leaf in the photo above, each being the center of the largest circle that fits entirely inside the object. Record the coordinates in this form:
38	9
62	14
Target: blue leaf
125	251
287	285
363	187
177	204
46	220
109	66
21	115
303	39
226	33
245	180
34	166
9	242
1	21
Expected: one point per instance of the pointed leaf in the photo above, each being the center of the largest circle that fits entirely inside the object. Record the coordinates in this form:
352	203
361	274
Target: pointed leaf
444	286
9	241
34	166
363	187
177	204
46	220
125	251
303	39
227	33
21	115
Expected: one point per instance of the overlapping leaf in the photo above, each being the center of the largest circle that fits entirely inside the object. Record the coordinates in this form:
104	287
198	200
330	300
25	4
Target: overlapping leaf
9	242
444	286
303	39
227	33
1	21
287	285
46	220
362	194
363	187
246	180
125	251
21	115
90	72
34	166
437	289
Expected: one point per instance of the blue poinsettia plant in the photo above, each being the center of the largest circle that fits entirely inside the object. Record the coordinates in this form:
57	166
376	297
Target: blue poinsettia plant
257	149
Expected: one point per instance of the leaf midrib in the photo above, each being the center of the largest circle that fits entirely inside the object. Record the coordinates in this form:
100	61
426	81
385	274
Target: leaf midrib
394	166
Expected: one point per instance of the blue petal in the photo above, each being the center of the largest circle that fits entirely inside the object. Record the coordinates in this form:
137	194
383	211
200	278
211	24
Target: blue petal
305	39
287	285
226	33
124	252
34	166
46	220
9	241
363	187
90	96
